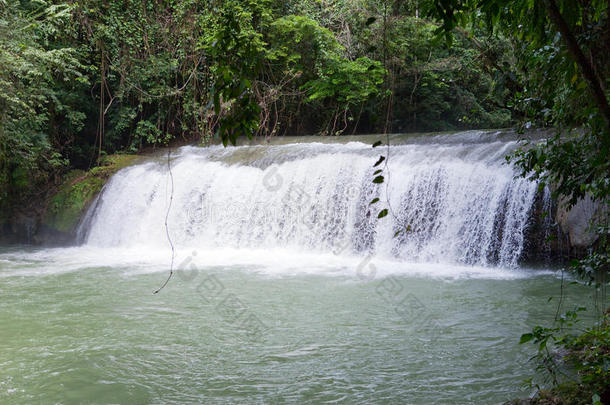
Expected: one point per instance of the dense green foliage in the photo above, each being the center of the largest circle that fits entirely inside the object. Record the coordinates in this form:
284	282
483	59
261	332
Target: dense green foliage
39	84
82	79
562	62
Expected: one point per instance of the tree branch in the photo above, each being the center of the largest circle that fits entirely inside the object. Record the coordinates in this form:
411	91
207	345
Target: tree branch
587	70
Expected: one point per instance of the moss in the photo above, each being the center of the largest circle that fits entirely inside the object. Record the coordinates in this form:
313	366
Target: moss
568	393
78	189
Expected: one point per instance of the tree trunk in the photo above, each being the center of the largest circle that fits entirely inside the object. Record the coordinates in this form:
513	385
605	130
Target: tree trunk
587	70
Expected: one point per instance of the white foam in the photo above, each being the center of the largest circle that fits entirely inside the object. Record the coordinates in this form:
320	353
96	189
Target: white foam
460	202
276	263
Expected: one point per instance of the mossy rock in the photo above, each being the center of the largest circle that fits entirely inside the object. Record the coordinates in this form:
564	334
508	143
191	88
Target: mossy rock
79	188
568	393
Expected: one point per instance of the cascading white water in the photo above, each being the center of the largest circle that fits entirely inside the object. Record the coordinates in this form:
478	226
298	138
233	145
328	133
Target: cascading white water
454	198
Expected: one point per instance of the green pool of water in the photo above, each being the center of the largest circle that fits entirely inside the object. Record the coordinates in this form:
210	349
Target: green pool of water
240	334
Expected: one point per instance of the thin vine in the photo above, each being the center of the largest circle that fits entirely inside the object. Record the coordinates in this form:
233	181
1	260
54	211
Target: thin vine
169	207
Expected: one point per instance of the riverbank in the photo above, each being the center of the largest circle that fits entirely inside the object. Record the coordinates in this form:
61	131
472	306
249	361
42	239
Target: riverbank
52	220
582	373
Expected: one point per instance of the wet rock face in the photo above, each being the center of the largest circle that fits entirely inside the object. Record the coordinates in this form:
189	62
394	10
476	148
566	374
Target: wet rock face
24	229
49	236
577	222
19	229
545	243
556	234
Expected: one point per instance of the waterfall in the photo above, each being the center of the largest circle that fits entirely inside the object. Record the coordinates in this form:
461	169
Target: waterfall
451	198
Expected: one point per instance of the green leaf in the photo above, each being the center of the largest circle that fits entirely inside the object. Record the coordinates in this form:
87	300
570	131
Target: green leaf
542	344
377	172
381	159
378	180
374	201
383	213
376	144
526	337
